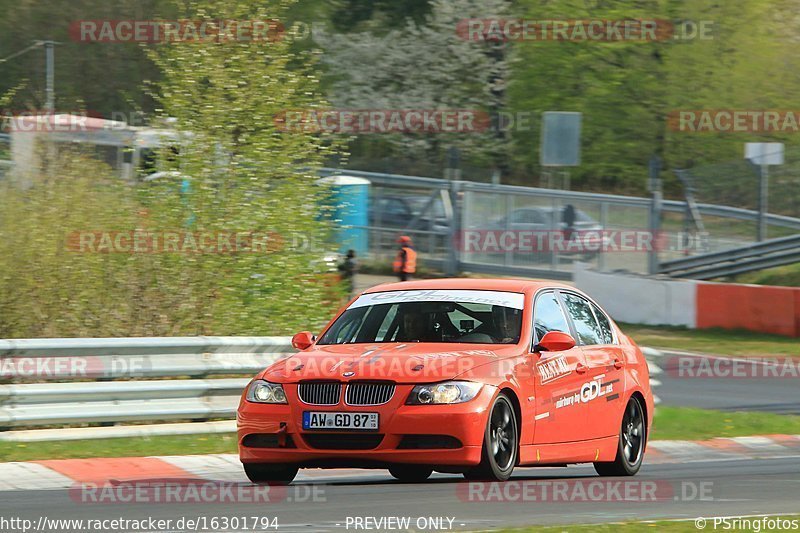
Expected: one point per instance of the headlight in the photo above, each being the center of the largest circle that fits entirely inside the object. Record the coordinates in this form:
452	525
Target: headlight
444	393
261	391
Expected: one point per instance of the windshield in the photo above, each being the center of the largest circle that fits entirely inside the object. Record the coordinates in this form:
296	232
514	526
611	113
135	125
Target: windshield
475	317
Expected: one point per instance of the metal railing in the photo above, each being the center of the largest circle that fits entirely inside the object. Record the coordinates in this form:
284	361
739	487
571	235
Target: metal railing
767	254
672	206
477	205
89	381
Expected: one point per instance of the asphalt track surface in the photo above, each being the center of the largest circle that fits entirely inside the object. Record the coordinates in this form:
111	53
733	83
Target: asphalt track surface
335	501
751	393
683	491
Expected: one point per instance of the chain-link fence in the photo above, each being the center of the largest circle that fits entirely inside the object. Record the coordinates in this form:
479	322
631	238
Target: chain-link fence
464	226
737	184
547	230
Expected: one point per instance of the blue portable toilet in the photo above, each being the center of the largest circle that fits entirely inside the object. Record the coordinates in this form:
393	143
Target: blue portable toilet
350	199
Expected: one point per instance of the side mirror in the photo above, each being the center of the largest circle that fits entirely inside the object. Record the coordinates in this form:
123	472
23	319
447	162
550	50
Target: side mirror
555	341
303	340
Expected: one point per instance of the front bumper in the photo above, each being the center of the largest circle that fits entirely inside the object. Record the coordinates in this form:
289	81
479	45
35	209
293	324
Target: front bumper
465	422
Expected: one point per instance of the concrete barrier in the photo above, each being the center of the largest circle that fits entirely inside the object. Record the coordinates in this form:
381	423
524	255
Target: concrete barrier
693	304
797	312
641	300
752	307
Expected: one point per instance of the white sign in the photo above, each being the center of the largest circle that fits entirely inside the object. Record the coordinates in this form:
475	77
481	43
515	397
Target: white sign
764	153
560	144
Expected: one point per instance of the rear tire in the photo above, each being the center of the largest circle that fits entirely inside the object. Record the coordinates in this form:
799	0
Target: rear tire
270	473
411	473
631	444
500	444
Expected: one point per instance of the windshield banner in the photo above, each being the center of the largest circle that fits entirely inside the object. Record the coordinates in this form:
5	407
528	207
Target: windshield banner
506	299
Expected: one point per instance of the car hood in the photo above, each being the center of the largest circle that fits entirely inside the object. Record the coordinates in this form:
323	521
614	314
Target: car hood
416	362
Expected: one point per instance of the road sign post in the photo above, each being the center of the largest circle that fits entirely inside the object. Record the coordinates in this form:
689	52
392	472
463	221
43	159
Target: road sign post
763	155
655	213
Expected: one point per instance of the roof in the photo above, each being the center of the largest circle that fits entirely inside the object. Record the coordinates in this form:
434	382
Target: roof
507	285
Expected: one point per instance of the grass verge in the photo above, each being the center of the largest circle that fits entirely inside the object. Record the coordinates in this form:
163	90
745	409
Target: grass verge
671	423
119	447
688	423
714	341
785	276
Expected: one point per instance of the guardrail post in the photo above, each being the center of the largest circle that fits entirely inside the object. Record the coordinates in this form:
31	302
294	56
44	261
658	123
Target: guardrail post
763	201
451	264
655	218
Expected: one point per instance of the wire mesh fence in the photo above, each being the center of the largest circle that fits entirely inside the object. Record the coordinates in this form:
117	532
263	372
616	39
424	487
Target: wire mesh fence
737	184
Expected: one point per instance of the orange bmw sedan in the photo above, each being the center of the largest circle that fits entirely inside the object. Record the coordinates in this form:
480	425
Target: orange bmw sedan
459	375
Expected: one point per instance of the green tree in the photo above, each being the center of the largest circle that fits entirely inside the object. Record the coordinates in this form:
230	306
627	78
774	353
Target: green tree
246	173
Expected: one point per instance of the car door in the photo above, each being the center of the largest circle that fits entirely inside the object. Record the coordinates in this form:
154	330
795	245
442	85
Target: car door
601	391
558	376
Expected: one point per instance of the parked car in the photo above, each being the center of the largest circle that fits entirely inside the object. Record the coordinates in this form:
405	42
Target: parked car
461	376
400	212
551	222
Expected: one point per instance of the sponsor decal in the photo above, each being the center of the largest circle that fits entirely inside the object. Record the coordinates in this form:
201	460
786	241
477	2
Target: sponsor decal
552	369
589	391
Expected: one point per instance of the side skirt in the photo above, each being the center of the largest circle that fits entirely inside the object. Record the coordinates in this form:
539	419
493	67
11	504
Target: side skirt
589	451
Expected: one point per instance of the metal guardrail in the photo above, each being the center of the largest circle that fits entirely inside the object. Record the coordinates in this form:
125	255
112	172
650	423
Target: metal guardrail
146	357
76	402
91	365
767	254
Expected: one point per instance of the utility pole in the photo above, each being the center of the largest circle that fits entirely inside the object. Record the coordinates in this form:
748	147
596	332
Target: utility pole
50	57
761	156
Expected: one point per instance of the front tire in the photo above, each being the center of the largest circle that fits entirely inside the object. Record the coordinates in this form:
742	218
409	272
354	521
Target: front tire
632	440
500	444
270	473
411	473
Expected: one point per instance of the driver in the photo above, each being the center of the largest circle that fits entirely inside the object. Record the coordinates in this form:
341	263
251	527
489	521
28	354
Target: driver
507	323
415	326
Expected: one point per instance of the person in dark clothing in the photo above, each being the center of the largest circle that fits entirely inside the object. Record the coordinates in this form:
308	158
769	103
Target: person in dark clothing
416	326
347	271
569	216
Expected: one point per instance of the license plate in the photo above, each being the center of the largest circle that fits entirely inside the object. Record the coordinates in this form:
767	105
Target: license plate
328	420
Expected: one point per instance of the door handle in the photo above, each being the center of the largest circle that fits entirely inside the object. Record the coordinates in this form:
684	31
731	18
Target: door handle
580	368
618	364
